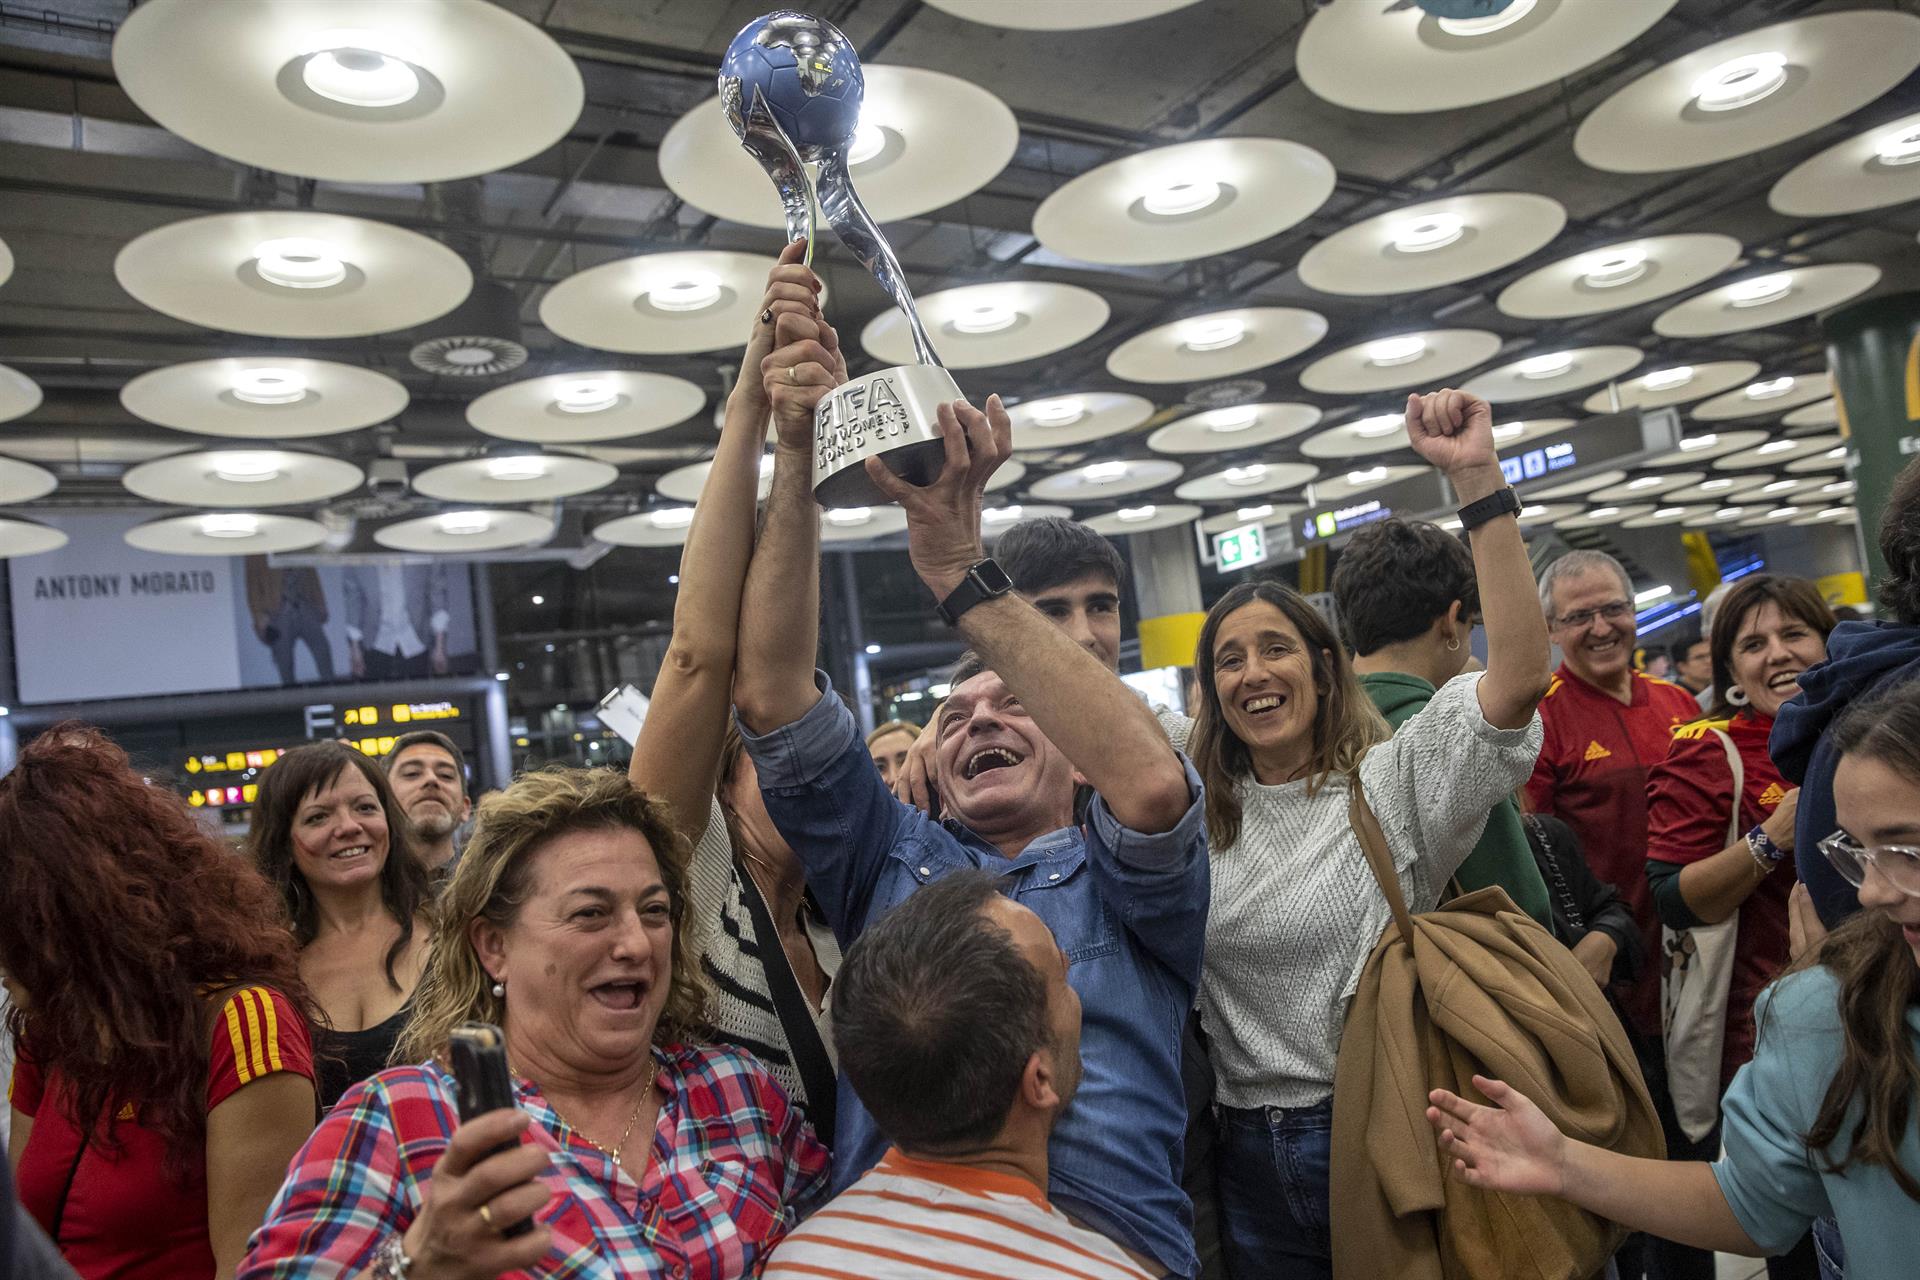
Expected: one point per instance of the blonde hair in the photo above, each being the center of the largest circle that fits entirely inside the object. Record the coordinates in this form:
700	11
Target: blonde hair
495	877
893	726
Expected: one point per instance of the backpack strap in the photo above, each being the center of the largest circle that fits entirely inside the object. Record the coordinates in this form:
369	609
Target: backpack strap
1373	842
795	1012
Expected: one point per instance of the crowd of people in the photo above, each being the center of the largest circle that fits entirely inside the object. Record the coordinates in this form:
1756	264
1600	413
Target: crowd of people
1384	960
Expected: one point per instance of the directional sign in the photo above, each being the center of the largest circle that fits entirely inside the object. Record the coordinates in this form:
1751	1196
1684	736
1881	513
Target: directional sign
1240	548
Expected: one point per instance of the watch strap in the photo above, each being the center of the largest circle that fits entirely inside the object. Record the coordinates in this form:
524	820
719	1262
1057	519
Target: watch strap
1500	502
985	579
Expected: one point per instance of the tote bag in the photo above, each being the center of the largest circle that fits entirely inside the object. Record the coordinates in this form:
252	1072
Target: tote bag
1696	975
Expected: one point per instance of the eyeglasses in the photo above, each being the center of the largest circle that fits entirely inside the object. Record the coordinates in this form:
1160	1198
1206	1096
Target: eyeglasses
1900	864
1580	619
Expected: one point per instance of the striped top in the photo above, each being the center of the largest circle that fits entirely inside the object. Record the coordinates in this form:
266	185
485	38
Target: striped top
913	1219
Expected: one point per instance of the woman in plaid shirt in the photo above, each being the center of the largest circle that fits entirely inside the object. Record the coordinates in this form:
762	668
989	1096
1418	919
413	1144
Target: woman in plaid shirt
636	1151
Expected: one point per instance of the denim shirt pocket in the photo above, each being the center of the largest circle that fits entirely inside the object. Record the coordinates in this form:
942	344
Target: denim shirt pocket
1062	892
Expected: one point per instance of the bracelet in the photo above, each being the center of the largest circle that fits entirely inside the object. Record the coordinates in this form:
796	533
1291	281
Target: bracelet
1766	854
392	1262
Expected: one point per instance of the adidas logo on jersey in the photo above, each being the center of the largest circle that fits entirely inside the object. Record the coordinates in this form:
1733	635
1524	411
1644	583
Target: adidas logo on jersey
1597	752
1772	796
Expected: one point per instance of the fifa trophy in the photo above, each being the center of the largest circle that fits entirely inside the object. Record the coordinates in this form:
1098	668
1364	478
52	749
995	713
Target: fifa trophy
791	86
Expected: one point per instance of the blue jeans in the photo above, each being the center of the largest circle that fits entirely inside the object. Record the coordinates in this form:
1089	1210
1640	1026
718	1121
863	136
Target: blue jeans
1273	1191
1826	1243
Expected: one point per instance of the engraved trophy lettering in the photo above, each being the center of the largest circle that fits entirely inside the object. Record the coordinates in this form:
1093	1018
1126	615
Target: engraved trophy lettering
791	86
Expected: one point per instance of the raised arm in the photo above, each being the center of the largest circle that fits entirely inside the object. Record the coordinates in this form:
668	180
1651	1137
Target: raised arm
1109	734
780	616
679	747
1454	431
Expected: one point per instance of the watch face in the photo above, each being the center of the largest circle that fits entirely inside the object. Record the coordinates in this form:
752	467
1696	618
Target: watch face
993	577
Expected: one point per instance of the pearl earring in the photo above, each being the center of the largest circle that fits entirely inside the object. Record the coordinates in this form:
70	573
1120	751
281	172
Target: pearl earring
499	990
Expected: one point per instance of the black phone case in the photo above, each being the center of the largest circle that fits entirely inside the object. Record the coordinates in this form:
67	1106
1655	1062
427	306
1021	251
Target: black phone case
481	1080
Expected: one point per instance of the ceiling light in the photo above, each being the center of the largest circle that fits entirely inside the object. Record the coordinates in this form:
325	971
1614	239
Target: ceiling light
766	465
1760	290
1532	513
1238	418
1000	515
1781	513
1423	235
1667	513
1213	335
1668	379
1601	513
1740	82
1839	451
1777	446
1779	486
1368	476
350	67
1611	268
1378	426
518	466
229	526
986	317
588	395
246	468
1391	351
690	293
1059	413
299	262
1699	442
464	524
1134	515
539	599
1652	593
1901	146
847	517
1245	475
1729	513
1540	368
1715	486
268	386
470	357
1831	513
869	140
1453	524
671	517
1771	389
1254	513
1104	472
1467	28
1646	482
1509	431
1180	197
872	649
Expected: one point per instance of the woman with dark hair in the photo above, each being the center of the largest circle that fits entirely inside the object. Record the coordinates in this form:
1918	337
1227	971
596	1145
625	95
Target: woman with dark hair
330	836
1825	1118
1769	630
1284	731
165	1075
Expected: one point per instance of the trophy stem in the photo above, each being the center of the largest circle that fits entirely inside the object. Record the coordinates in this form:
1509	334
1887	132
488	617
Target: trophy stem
857	230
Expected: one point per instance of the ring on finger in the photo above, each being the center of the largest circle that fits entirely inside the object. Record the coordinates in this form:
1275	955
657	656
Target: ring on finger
486	1216
766	317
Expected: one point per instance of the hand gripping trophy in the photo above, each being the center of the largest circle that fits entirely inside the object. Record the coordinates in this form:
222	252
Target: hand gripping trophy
791	87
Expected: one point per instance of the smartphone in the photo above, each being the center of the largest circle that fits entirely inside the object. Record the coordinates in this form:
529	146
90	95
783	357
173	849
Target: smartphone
479	1052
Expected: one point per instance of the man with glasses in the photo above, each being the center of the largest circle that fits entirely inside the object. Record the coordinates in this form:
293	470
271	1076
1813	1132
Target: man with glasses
1607	725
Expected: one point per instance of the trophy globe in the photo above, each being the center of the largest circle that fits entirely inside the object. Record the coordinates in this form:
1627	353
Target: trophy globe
805	71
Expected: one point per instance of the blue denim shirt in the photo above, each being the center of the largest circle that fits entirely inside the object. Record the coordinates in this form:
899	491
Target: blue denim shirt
1129	909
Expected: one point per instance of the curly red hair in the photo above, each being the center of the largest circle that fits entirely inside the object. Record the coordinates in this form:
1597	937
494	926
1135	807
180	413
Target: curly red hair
126	916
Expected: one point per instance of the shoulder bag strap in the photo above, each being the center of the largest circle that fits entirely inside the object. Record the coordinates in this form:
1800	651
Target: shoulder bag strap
66	1189
1374	843
1739	784
796	1014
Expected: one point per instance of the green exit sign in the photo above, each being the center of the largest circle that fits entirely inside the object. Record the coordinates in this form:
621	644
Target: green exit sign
1240	548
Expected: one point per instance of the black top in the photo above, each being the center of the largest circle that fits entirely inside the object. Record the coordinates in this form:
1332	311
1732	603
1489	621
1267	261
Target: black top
1581	901
343	1059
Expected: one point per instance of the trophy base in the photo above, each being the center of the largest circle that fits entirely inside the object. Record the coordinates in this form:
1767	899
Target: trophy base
892	415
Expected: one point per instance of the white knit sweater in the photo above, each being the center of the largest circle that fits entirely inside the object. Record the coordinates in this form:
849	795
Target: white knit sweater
1295	910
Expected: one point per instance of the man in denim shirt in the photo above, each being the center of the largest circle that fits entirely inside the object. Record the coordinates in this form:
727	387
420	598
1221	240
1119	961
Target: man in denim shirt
1125	895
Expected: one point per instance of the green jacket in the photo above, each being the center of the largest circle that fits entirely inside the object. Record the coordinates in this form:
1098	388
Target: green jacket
1502	857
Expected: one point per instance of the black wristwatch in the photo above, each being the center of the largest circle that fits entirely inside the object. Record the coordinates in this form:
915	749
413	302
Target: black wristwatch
985	580
1501	502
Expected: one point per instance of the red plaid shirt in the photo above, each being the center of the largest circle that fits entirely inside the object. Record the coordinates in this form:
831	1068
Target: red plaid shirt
734	1167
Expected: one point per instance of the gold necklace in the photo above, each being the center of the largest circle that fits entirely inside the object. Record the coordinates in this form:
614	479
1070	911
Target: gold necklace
613	1153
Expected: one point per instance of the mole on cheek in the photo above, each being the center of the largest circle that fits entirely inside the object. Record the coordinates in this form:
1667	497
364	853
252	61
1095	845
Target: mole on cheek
552	969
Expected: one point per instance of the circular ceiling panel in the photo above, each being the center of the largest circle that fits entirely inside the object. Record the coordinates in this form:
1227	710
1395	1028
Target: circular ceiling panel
1767	395
977	326
26	538
1869	171
1775	453
861	524
242	478
1554	373
581	408
1006	475
1360	438
1833	459
351	90
660	527
1577	488
19	394
1702	445
1057	15
1617	276
1056	422
465	532
1521	430
1265	513
1829	515
1419	359
1216	344
1604	515
1099	481
1821	413
1662	517
226	533
661	303
1423	246
62	448
1750	91
995	521
1254	479
514	477
1762	516
1190	200
293	274
1537	514
1370	56
6	262
683	484
926	140
1646	488
24	482
1144	519
1241	426
264	397
1340	486
1674	384
1757	302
